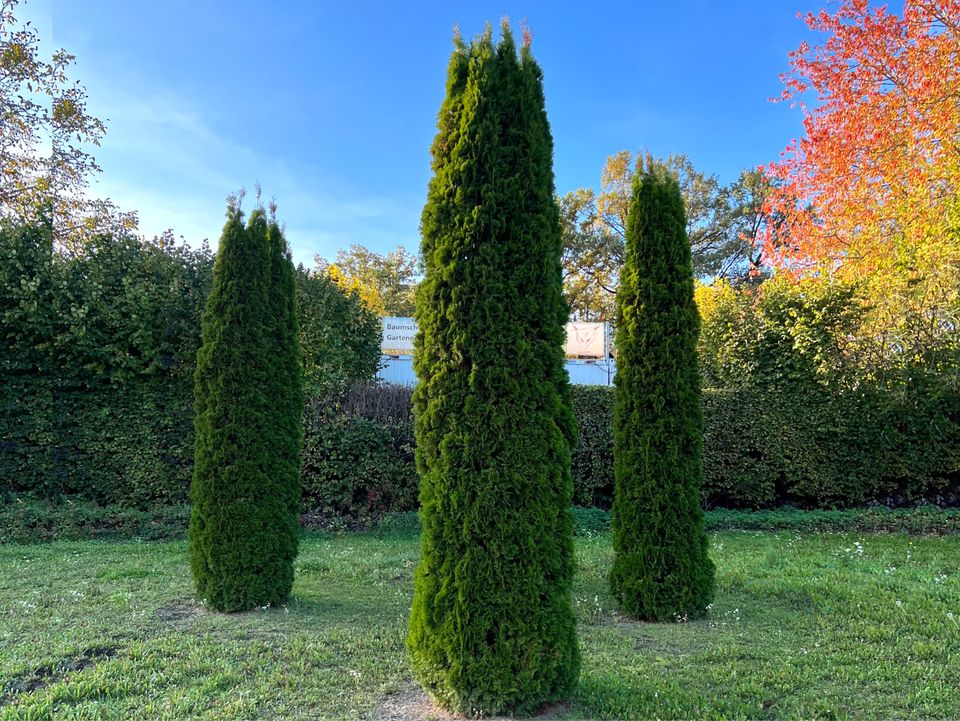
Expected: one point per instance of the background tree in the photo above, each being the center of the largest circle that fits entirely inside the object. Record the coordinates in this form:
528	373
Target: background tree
660	570
339	335
723	225
46	134
869	194
880	156
492	628
243	526
386	282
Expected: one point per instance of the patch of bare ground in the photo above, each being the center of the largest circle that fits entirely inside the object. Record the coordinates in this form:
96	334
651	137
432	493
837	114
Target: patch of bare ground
181	613
45	675
412	704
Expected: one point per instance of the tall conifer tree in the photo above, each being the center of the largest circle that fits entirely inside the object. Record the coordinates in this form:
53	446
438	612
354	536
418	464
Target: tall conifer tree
492	627
248	396
661	570
286	429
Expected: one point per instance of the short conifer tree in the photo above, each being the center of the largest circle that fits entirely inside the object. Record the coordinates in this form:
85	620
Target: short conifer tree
492	627
661	570
248	405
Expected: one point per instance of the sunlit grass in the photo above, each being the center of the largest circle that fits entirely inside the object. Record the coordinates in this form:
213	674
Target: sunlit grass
804	626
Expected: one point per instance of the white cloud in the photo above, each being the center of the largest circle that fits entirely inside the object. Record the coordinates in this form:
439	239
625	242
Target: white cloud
162	158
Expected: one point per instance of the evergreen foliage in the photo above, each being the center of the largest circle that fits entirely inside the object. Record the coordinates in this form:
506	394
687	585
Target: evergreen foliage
661	570
286	410
492	627
245	492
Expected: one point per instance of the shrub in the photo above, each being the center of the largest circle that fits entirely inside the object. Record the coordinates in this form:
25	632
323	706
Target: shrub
762	448
339	337
660	569
98	356
492	625
96	365
592	459
31	520
245	492
356	468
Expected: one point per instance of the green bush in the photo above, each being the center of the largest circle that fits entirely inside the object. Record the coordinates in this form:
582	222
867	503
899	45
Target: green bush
592	458
98	355
762	448
245	492
492	625
661	570
357	469
96	366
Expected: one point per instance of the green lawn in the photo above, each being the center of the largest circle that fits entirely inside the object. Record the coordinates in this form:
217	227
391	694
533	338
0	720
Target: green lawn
804	626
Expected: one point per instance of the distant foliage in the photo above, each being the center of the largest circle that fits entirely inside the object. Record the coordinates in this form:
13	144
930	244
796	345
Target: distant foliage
385	282
248	397
784	333
660	570
492	625
883	87
870	192
339	336
723	225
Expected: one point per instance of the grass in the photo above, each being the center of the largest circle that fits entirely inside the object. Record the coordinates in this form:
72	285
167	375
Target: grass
33	520
805	625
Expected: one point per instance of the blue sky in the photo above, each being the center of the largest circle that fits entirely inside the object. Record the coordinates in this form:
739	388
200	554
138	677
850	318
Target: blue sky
332	105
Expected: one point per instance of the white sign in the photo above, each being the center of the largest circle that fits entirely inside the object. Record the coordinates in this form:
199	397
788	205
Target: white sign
397	336
586	340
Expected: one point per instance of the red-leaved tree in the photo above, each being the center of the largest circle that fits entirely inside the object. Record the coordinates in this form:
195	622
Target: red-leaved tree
879	164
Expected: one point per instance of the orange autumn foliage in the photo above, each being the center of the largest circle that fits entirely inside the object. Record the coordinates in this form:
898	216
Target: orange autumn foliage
872	186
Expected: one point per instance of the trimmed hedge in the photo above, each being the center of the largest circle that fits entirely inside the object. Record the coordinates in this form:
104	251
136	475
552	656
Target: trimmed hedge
818	449
97	362
593	454
355	469
762	449
29	520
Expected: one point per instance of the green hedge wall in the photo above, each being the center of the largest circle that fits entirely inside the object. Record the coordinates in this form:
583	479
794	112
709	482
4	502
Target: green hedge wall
762	449
815	448
96	363
97	352
355	468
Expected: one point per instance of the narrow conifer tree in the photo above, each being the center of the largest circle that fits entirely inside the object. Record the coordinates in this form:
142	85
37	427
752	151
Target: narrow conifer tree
661	570
492	626
248	401
286	428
